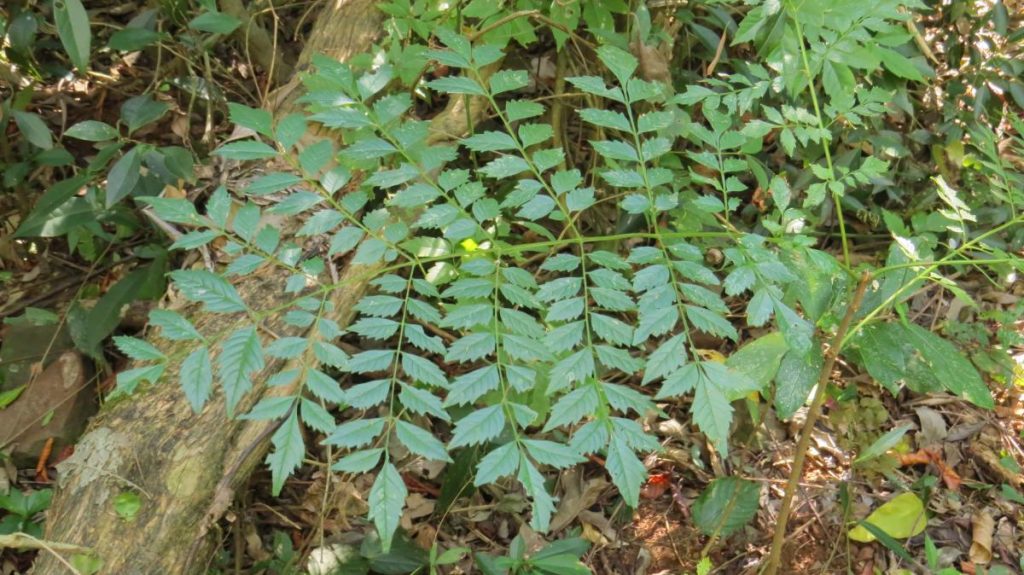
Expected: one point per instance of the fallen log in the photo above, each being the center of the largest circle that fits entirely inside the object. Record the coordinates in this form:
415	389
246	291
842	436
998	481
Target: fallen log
186	467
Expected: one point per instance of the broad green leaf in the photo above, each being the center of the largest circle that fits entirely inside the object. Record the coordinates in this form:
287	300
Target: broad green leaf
8	396
368	149
127	505
898	64
901	517
176	210
667	358
759	360
421	369
315	416
73	28
726	505
573	407
128	380
134	39
271	183
92	131
619	62
269	408
508	80
57	210
489	142
606	119
255	119
469	387
290	130
797	375
422	402
142	110
215	23
89	329
522	109
551	453
897	354
193	240
123	176
286	347
34	129
322	385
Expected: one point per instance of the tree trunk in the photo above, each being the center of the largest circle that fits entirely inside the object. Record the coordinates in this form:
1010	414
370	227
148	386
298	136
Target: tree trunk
185	466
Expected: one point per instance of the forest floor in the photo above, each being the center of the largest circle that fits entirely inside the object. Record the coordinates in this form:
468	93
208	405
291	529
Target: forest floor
963	458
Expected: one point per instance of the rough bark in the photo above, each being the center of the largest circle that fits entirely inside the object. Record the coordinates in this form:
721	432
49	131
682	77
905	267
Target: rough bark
185	466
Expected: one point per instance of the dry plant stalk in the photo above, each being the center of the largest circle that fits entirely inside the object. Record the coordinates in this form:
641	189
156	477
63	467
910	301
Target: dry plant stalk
812	418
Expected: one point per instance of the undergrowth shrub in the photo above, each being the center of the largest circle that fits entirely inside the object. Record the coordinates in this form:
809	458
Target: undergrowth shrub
506	313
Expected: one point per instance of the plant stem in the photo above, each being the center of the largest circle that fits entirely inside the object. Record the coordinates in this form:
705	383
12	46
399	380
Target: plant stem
825	142
812	418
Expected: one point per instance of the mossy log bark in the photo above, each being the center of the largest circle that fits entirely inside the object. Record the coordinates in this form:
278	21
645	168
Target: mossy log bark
185	467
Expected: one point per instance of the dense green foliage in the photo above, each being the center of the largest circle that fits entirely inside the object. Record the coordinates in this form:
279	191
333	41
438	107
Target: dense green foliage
541	358
541	285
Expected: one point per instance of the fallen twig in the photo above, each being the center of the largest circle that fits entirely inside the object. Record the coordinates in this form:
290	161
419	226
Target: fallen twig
26	541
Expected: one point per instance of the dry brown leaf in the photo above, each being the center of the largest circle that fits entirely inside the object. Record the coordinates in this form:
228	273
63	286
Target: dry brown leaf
982	528
933	427
925	456
653	63
656	486
601	523
576	499
591	533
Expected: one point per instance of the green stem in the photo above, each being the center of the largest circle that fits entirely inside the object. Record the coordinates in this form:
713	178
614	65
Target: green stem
825	142
954	256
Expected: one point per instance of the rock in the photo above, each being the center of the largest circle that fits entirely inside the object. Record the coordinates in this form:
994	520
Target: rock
26	344
62	388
